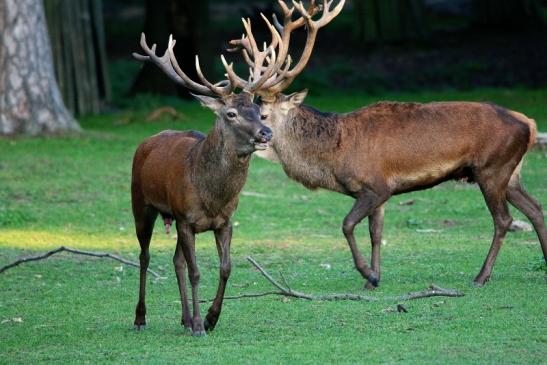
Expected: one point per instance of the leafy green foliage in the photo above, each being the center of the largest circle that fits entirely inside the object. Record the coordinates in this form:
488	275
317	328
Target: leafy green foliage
75	192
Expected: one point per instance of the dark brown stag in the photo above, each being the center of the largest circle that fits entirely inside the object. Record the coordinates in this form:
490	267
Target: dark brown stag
390	148
196	179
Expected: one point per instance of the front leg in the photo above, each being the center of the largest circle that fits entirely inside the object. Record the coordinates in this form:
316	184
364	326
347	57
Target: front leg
180	271
186	240
223	238
375	227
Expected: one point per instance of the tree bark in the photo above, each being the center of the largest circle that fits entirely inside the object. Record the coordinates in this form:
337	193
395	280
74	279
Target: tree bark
187	21
30	100
77	38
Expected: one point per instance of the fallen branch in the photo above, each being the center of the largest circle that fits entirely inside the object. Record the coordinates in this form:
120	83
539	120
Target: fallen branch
74	251
286	291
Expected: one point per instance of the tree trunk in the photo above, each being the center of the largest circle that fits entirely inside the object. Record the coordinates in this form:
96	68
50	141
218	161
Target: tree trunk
30	101
77	39
187	21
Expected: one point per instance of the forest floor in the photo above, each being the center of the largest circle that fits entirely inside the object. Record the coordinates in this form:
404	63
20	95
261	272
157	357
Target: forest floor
72	309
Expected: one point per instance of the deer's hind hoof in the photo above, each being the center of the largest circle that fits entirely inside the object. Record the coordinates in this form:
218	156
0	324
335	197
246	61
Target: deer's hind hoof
477	284
373	280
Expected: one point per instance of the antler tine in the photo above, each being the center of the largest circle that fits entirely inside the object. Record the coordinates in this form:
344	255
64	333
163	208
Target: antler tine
285	78
278	25
253	48
328	14
290	25
270	70
235	80
166	65
256	58
219	90
239	44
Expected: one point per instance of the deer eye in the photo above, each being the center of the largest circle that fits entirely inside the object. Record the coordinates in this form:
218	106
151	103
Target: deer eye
231	115
263	117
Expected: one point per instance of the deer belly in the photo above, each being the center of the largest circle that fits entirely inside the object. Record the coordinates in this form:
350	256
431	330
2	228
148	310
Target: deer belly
427	176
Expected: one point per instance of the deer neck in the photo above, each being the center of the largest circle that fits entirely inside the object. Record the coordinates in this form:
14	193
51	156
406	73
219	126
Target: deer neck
219	173
306	142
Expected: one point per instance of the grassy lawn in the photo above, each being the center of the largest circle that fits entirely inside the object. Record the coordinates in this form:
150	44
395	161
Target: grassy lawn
70	309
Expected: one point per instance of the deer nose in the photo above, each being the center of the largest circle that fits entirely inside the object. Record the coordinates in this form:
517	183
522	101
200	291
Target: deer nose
265	134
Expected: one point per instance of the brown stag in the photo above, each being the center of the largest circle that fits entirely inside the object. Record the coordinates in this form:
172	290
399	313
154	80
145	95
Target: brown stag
391	148
196	179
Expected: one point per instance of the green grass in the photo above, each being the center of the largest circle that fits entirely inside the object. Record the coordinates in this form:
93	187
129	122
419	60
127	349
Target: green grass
75	192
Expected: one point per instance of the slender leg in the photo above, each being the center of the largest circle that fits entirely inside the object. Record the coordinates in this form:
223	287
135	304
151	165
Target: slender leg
223	237
375	226
180	271
144	224
365	205
518	197
186	240
497	204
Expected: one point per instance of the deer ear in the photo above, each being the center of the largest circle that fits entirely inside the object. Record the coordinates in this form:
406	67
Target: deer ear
209	102
296	99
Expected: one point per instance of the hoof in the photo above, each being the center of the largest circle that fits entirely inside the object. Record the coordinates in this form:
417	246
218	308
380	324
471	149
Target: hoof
477	284
480	282
373	280
200	333
209	326
186	324
139	327
369	286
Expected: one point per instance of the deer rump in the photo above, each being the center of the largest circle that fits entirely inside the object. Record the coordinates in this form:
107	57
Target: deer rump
402	147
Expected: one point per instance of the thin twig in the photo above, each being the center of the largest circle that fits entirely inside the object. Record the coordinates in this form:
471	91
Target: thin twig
249	295
284	280
77	252
288	292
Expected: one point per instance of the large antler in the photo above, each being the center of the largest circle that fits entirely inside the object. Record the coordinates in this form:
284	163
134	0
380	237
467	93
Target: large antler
285	75
168	64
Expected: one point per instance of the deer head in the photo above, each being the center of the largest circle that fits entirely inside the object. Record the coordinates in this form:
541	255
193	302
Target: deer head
237	116
275	105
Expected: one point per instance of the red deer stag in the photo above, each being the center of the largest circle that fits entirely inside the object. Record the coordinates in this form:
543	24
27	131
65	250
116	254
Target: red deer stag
196	179
391	148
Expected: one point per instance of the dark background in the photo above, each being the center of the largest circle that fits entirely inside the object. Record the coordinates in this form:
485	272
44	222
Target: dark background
373	46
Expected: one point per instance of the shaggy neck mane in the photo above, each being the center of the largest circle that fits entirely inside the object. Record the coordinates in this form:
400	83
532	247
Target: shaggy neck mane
219	173
320	130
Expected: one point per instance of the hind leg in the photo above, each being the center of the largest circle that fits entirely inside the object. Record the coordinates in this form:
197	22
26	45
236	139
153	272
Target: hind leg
367	202
518	197
145	216
375	226
495	195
